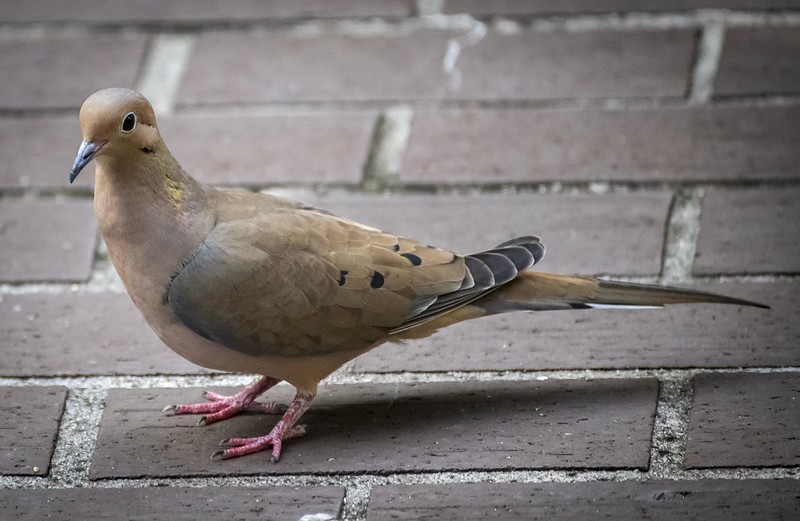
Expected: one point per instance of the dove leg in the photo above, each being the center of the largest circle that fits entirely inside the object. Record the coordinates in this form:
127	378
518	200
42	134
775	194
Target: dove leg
221	407
285	429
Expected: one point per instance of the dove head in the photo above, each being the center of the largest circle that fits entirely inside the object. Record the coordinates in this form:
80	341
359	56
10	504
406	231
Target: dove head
116	123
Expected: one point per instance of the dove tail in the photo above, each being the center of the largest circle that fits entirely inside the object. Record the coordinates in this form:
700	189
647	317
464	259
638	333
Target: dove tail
536	291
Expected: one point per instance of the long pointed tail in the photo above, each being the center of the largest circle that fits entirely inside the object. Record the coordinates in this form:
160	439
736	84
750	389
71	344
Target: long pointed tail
537	291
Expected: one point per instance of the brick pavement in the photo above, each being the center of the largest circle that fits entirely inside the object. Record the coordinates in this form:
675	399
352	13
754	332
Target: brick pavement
647	140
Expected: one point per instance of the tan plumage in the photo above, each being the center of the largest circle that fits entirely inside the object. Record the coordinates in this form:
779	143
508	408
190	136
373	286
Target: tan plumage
252	283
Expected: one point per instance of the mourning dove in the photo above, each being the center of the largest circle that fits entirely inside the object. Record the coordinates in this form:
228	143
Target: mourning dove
253	283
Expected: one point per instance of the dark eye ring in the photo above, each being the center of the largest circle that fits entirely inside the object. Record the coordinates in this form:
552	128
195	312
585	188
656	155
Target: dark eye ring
128	122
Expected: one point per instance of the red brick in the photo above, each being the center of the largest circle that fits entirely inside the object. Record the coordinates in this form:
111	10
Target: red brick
547	65
703	335
80	334
173	503
611	233
282	67
708	500
46	240
387	428
30	424
531	146
258	150
749	231
62	72
286	67
744	420
759	61
194	11
545	7
38	152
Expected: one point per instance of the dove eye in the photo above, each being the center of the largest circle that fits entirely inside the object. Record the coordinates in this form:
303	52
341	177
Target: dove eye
128	122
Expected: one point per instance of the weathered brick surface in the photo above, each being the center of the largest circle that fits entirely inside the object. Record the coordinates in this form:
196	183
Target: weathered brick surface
30	417
285	67
724	143
178	503
80	334
545	7
744	420
701	335
62	72
542	65
394	428
749	231
712	500
258	150
620	233
759	61
194	11
38	152
46	240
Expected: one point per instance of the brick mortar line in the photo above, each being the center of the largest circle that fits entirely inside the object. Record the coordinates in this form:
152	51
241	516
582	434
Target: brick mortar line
322	190
706	65
671	426
682	233
283	108
289	108
356	500
389	142
77	437
403	25
371	479
345	377
666	20
567	187
429	7
163	69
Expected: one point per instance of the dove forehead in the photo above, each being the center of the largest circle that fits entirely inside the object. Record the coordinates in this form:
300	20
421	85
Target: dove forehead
102	112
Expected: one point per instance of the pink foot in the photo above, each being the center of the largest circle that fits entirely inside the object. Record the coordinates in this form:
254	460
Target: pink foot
221	407
285	429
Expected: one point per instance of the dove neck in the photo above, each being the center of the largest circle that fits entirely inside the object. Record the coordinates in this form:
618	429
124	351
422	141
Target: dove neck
151	213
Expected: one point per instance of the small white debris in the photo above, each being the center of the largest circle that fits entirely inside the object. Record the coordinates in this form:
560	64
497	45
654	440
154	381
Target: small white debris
316	517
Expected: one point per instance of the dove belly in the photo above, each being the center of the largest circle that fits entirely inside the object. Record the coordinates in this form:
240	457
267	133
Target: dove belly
303	372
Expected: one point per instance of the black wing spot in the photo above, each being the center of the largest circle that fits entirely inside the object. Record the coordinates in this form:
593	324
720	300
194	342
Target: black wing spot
342	277
415	260
377	280
396	248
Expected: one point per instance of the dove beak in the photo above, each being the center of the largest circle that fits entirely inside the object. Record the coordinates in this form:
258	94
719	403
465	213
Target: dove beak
86	153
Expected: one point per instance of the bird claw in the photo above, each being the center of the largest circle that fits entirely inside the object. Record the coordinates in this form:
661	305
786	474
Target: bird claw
235	447
225	408
218	456
221	407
